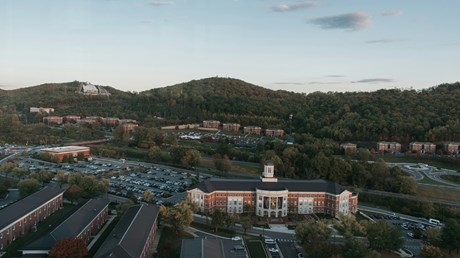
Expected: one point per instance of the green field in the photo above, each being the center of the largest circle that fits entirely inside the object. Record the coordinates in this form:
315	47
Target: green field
256	249
452	178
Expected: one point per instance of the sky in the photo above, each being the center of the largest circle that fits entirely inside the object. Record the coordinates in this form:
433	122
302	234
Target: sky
300	46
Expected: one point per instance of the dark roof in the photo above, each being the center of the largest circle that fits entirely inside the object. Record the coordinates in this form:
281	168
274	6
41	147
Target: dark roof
129	236
317	185
72	226
22	207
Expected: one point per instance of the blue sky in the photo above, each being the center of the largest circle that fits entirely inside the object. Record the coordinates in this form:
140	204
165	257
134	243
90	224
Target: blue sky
301	46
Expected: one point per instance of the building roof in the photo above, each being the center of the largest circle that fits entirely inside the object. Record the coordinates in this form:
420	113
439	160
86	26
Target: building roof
72	226
129	236
66	149
22	207
250	185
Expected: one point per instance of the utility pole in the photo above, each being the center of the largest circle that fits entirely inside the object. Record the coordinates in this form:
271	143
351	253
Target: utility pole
290	124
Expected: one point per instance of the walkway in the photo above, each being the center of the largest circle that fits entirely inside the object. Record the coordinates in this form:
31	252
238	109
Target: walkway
96	237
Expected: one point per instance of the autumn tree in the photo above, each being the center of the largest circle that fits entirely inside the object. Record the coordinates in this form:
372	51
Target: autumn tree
148	196
217	219
191	158
429	251
222	163
246	223
73	193
312	233
179	216
69	247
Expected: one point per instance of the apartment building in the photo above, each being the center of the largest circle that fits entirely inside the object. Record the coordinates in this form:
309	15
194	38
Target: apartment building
23	216
274	132
252	130
422	147
388	147
232	127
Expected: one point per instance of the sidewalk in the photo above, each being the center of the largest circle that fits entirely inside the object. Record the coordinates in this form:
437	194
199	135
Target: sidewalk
96	237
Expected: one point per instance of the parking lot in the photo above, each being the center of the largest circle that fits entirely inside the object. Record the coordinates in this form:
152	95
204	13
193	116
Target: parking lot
127	179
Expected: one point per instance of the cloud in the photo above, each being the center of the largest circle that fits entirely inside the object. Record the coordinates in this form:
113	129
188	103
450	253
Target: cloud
384	41
348	21
160	2
287	7
374	80
319	83
391	13
335	76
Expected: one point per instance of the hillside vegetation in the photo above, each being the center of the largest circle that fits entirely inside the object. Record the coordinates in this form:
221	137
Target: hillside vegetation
400	115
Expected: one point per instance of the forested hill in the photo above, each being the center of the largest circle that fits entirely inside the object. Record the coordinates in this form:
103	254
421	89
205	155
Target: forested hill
402	115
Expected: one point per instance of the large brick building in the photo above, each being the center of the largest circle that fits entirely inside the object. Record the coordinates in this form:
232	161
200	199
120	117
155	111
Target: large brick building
389	147
274	132
451	148
270	197
83	223
58	153
53	120
422	147
233	127
133	236
211	124
252	130
23	216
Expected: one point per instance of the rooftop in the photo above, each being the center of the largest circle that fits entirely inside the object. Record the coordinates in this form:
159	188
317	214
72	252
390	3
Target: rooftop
22	207
212	248
72	226
250	185
129	236
65	148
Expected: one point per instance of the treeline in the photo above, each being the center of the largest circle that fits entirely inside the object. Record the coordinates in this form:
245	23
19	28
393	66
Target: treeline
396	115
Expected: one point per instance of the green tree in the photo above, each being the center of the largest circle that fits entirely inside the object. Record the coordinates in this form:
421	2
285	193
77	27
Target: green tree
154	153
73	193
450	235
433	236
217	220
246	223
312	233
355	248
222	163
348	226
382	236
28	186
61	178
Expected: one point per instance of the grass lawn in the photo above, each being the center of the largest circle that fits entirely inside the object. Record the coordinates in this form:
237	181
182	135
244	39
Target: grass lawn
427	180
42	229
451	178
439	193
170	243
256	249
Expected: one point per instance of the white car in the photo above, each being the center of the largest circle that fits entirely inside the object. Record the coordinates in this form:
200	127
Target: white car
273	250
236	238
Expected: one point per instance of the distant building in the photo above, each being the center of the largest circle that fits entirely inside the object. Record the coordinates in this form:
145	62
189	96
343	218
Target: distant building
451	148
53	120
388	147
83	223
41	110
348	147
128	121
212	248
422	147
111	121
87	88
58	153
269	197
252	130
233	127
128	127
23	216
211	124
133	235
71	119
274	132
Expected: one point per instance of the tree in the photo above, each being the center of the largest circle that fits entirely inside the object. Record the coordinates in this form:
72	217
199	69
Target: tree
246	223
312	233
382	236
429	251
154	153
43	176
348	226
433	236
69	247
148	196
123	207
19	172
179	216
230	219
191	157
217	219
73	193
222	163
28	186
355	248
61	178
450	235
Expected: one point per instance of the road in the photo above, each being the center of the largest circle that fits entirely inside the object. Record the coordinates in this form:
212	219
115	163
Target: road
420	170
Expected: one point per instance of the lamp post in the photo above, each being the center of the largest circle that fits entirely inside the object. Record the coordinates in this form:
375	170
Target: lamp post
290	124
